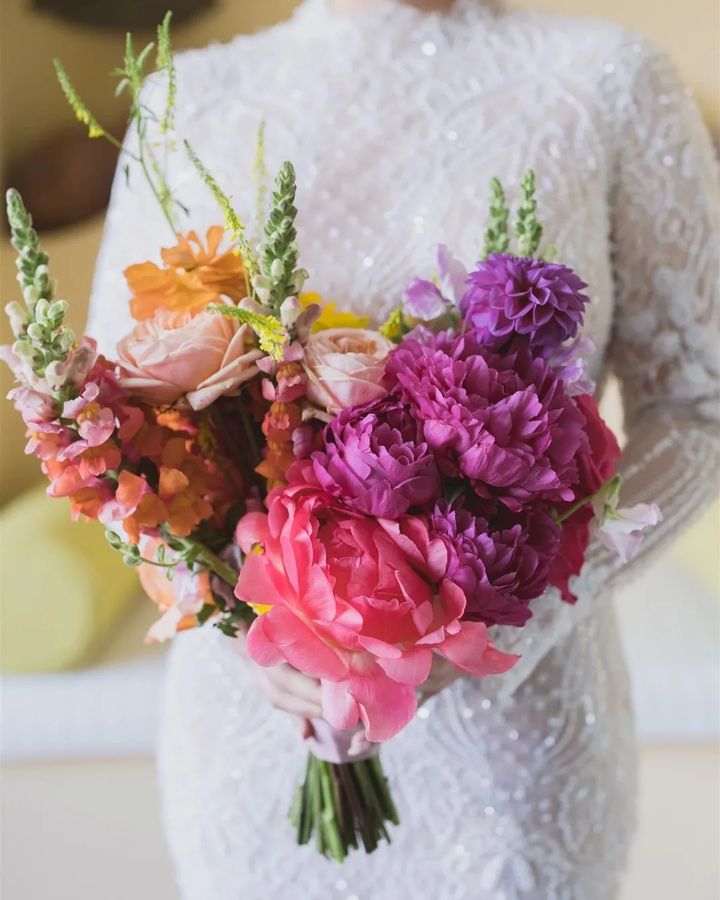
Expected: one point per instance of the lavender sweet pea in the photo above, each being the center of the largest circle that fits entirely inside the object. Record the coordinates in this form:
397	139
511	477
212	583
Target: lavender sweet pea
425	300
542	301
376	462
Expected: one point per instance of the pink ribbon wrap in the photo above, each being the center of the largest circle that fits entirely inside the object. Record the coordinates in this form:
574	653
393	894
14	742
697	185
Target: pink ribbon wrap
338	747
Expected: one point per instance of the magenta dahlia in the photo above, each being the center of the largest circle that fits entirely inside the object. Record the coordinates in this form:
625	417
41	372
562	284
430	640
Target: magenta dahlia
376	461
542	301
500	567
503	422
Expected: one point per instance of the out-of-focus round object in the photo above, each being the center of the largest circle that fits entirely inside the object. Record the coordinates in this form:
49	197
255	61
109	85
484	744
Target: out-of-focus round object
63	589
65	178
128	15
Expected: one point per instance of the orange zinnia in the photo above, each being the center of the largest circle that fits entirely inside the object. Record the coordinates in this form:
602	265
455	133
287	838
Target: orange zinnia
193	276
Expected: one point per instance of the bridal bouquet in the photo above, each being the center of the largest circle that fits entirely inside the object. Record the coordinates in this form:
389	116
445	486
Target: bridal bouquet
358	499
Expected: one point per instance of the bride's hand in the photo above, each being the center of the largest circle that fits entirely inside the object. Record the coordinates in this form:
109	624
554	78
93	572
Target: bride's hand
287	689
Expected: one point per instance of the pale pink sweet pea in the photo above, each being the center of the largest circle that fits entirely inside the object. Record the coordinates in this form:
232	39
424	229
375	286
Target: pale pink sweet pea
178	599
357	603
345	367
175	355
622	530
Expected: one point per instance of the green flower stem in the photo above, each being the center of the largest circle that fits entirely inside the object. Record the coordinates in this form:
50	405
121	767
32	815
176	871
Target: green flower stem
206	556
250	435
613	483
237	454
382	788
329	819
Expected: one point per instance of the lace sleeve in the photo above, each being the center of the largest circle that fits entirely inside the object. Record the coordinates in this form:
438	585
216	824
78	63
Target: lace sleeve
665	202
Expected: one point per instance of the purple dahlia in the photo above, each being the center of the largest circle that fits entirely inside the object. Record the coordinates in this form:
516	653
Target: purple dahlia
501	568
541	301
376	461
503	422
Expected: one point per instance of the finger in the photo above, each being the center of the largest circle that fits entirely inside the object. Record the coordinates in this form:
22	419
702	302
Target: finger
306	729
295	682
297	706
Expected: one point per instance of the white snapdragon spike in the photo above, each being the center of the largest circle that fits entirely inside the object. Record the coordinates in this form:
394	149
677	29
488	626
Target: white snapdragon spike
290	311
18	316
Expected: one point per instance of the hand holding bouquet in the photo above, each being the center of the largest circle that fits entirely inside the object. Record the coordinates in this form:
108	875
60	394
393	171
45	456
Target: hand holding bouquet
366	500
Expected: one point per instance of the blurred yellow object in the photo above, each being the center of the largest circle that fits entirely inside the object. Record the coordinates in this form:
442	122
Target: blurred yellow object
699	549
62	588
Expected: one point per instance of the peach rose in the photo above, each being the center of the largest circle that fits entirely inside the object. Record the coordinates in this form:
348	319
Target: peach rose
175	354
345	367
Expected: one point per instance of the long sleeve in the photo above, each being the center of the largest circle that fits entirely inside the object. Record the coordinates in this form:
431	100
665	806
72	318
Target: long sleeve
664	348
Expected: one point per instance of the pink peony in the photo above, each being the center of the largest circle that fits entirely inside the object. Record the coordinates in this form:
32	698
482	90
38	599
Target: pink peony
375	461
359	604
345	367
502	422
175	355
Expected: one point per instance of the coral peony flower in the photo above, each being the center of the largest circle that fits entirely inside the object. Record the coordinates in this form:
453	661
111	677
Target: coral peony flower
500	568
193	277
176	355
357	603
375	461
539	300
345	367
503	422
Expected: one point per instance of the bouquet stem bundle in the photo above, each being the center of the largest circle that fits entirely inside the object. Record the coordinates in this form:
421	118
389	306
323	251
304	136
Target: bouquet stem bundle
343	804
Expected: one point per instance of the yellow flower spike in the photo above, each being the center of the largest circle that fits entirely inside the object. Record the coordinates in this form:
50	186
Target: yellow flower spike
331	318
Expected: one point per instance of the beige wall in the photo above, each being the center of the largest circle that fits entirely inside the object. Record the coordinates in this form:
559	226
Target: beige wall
31	106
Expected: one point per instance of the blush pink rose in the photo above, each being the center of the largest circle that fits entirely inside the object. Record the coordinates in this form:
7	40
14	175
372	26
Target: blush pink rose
359	603
345	367
175	355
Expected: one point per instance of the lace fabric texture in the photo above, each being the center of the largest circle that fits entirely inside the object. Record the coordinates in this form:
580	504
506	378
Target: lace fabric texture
517	787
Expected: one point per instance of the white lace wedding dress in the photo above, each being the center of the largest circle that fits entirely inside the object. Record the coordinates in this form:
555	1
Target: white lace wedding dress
520	787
